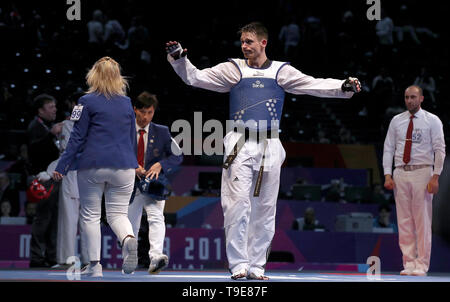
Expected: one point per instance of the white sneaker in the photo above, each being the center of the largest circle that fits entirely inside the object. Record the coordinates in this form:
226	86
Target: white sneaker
406	272
129	253
92	271
239	274
157	264
418	272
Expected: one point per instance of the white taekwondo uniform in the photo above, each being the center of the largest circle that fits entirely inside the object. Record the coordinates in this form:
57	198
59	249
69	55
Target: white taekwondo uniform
68	209
249	221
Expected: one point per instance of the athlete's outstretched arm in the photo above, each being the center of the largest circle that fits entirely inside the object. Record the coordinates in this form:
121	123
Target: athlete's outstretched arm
294	81
219	78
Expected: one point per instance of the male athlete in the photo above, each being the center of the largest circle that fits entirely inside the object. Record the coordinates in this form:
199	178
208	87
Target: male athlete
251	174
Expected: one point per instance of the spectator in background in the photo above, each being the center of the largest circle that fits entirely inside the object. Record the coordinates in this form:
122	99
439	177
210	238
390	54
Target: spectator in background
392	110
96	33
96	28
408	32
384	30
335	191
138	37
114	31
378	196
138	34
139	53
382	90
428	84
290	37
321	137
5	207
42	134
22	167
114	34
315	43
348	37
383	83
383	220
308	222
405	30
10	194
345	136
301	181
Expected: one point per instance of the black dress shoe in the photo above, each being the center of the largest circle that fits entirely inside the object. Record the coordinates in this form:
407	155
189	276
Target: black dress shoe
38	264
61	266
51	263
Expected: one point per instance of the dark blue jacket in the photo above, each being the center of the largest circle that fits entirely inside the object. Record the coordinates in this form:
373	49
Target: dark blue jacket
159	149
103	137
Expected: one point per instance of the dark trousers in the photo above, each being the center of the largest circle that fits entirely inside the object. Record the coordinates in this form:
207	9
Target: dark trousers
44	231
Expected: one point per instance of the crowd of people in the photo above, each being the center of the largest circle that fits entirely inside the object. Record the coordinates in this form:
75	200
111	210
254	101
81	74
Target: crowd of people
44	52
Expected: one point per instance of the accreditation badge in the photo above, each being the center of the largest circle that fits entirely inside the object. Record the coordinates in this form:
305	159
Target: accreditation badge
417	136
76	113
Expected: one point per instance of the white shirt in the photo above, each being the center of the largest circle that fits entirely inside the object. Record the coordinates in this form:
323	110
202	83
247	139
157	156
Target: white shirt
224	76
145	137
428	143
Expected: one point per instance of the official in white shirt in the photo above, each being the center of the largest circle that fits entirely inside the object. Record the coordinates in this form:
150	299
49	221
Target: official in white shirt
418	157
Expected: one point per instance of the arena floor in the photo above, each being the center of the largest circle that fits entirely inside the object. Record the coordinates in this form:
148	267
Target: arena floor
208	276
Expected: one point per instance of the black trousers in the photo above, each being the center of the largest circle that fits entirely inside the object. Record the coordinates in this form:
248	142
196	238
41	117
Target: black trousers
44	230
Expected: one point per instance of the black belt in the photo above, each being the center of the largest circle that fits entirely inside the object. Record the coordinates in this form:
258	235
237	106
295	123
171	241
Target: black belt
250	135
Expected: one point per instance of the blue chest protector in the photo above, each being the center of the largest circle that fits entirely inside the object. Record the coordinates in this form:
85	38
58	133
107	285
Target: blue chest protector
257	100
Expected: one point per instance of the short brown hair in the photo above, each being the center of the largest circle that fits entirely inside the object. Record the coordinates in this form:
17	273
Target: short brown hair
257	28
146	100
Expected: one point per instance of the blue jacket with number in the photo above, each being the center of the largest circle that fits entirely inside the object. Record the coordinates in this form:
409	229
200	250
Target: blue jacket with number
104	136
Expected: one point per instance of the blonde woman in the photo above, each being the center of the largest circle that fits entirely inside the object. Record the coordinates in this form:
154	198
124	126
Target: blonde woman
102	149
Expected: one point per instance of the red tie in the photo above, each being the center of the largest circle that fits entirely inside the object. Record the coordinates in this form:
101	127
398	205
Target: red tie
140	152
408	143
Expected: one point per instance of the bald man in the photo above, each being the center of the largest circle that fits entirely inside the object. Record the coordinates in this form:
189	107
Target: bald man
415	145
